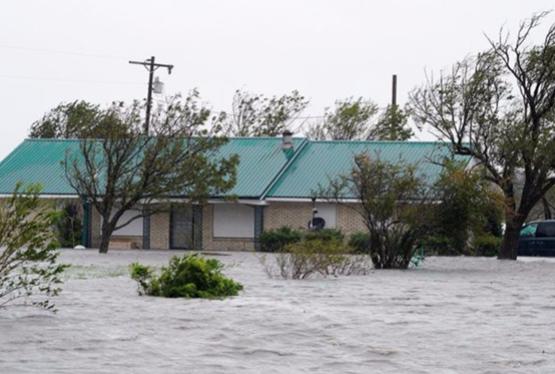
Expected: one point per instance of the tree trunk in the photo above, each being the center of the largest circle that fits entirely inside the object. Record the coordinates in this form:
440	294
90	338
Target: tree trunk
546	208
509	245
105	237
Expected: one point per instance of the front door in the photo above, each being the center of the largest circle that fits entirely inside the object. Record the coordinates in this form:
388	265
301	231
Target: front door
181	227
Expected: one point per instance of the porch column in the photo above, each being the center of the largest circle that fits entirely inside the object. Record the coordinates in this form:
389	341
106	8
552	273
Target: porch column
197	227
86	226
146	229
258	225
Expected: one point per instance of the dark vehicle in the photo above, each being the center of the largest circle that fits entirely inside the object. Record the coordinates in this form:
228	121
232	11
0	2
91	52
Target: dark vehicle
537	239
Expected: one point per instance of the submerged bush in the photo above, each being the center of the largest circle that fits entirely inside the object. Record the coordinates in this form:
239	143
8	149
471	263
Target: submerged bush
316	257
29	268
325	235
276	240
69	226
486	245
190	276
360	242
441	245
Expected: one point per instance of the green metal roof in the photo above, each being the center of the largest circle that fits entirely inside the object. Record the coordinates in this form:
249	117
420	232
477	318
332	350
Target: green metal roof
321	161
264	169
40	161
260	159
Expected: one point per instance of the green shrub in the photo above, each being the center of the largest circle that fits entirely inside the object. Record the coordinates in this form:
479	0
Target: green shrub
325	235
486	245
360	242
441	245
29	268
277	240
190	276
69	226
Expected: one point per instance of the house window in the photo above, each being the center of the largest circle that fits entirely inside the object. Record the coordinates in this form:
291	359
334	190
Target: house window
135	228
328	212
233	221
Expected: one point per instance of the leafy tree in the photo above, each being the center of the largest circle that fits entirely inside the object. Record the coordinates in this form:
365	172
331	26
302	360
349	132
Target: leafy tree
257	115
393	205
350	119
124	169
392	125
29	249
69	226
498	108
67	120
467	207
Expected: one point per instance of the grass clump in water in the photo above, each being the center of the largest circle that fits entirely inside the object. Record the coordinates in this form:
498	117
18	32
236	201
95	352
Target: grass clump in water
190	276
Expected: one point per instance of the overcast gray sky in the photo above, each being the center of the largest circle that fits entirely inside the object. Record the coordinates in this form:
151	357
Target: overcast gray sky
63	50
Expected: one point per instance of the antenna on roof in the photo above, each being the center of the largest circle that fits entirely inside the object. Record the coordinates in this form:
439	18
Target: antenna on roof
394	90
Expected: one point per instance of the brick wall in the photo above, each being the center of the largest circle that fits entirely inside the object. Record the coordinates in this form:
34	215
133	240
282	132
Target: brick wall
348	220
136	241
293	215
297	216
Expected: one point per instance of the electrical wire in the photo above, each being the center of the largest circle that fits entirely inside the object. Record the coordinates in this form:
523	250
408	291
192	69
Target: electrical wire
63	80
70	53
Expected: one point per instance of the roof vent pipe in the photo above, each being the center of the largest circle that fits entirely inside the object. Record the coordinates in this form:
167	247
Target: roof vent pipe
287	140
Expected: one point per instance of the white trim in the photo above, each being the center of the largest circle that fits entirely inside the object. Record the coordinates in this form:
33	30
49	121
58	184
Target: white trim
44	196
329	201
239	201
309	200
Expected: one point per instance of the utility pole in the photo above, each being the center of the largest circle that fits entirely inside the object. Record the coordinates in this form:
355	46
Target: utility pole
151	66
394	91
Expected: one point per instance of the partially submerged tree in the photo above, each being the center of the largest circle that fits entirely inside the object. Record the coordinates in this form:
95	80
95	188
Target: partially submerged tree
28	250
498	108
124	169
392	201
69	225
258	115
350	119
466	208
68	120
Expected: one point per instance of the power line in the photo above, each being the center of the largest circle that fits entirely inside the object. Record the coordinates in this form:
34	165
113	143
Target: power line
63	80
61	52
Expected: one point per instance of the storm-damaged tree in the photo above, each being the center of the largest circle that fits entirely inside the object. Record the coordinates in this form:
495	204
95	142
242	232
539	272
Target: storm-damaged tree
391	199
498	108
258	115
350	119
392	125
355	119
124	169
28	250
67	120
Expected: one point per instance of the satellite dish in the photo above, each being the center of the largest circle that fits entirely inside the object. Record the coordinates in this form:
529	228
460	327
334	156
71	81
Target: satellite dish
317	223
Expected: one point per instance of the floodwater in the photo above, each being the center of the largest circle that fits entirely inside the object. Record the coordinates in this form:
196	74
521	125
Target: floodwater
450	315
